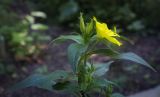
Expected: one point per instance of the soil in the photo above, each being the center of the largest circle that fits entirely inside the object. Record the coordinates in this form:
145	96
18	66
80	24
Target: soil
133	78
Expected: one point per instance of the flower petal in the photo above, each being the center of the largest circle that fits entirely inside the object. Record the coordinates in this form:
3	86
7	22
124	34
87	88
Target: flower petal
111	33
113	40
103	32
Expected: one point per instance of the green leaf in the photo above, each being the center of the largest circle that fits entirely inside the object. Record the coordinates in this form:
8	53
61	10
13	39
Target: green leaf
135	58
30	19
38	14
101	68
125	56
39	27
41	81
117	95
76	38
74	52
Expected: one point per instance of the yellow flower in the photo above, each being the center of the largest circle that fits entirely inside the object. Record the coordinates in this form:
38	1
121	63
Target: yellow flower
103	32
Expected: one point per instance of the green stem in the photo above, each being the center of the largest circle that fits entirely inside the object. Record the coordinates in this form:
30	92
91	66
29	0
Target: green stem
82	71
93	45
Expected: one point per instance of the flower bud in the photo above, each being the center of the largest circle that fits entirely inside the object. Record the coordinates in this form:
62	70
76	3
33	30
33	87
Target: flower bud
89	27
82	25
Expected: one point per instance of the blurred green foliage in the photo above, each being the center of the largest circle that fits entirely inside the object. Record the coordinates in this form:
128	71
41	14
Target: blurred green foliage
132	15
141	16
20	35
20	39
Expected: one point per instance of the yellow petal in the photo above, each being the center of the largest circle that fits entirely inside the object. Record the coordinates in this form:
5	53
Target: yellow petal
104	26
111	33
101	27
113	40
103	32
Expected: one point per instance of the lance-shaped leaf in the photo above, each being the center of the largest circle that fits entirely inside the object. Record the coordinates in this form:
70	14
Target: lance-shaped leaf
125	56
135	58
74	52
63	38
41	81
101	68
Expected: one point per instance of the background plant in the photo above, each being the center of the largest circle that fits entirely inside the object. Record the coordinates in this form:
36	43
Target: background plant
21	37
132	16
86	76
